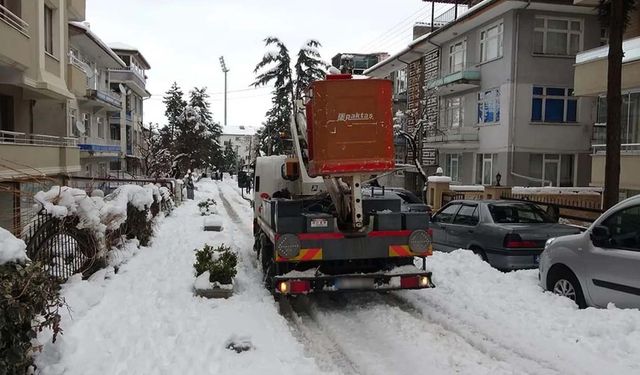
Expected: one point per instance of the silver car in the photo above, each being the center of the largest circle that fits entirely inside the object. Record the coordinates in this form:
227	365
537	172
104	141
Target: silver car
601	265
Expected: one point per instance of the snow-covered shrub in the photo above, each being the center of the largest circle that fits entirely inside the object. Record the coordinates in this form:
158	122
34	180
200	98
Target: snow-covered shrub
221	263
29	302
208	207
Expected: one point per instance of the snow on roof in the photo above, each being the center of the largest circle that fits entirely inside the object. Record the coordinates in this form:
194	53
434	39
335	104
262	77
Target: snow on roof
84	27
239	130
119	46
439	179
631	48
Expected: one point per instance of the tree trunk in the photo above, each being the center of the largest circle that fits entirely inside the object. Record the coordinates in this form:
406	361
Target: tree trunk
614	105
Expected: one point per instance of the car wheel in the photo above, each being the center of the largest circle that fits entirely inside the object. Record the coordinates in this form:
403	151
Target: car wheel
480	253
564	283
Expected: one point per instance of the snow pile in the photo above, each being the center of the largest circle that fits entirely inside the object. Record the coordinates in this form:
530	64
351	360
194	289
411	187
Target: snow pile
556	190
439	179
466	187
60	201
508	314
12	250
114	211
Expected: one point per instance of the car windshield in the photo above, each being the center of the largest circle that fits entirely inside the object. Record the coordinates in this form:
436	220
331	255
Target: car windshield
518	213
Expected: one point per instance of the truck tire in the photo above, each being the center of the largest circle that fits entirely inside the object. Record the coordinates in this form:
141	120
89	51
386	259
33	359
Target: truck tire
267	262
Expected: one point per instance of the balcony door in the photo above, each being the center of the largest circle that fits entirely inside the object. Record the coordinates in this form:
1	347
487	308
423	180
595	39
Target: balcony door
6	113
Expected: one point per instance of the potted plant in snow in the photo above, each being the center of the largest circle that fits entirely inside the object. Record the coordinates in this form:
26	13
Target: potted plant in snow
215	270
208	207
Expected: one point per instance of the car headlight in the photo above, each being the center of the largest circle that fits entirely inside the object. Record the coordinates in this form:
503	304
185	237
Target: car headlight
549	242
419	241
288	246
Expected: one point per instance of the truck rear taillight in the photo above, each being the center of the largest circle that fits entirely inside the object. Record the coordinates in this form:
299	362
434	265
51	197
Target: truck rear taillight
514	241
294	286
414	282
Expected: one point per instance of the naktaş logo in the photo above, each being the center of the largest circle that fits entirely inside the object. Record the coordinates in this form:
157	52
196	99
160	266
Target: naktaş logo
355	116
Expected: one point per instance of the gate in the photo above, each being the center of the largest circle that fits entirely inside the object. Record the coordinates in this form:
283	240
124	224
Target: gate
60	246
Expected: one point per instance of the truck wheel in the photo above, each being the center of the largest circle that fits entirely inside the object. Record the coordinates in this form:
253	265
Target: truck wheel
268	265
563	282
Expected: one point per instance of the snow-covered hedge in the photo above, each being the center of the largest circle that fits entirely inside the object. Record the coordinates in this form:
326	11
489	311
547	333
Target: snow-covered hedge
128	211
29	302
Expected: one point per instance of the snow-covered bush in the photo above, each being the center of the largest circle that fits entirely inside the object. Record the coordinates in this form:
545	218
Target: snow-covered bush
208	207
29	302
220	262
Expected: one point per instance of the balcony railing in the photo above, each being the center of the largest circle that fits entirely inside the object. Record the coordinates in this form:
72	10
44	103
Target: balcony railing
36	139
627	148
105	97
455	134
14	21
462	78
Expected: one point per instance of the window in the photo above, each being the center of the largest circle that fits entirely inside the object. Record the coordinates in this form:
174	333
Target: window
552	169
491	42
624	228
518	213
629	119
48	30
447	214
489	106
553	104
86	122
400	82
468	215
452	166
457	56
557	36
6	112
73	116
114	165
100	126
453	115
484	168
114	130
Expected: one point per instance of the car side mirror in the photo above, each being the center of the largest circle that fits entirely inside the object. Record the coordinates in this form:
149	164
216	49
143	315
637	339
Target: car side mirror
600	236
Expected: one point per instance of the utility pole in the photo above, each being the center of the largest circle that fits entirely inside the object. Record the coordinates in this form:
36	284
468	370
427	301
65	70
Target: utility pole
224	70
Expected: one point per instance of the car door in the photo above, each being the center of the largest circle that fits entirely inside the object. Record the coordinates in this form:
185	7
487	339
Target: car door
462	229
614	270
439	225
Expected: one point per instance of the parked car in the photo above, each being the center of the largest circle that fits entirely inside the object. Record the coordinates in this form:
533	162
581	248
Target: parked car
507	234
601	265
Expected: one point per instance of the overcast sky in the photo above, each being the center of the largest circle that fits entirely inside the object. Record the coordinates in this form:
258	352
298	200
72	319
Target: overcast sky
182	40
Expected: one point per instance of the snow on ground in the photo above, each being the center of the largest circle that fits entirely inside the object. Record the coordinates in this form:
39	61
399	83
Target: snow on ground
146	320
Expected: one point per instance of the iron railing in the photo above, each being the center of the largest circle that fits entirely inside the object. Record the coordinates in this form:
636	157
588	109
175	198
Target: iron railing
14	21
37	139
601	149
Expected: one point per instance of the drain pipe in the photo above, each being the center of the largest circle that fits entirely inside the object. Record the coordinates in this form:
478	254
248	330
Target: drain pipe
514	92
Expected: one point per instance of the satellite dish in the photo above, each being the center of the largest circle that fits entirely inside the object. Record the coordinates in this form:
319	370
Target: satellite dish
80	127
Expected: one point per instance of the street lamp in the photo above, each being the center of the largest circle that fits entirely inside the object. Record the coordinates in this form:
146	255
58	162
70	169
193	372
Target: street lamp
224	70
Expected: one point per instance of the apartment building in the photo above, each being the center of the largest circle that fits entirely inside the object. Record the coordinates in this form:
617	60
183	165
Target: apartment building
243	140
591	80
36	142
90	61
493	90
126	125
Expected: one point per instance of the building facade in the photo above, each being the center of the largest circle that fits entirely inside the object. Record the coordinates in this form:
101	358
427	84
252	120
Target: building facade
90	61
37	145
493	90
243	140
591	80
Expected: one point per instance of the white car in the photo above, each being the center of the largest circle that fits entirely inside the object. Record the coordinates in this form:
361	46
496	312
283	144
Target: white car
601	265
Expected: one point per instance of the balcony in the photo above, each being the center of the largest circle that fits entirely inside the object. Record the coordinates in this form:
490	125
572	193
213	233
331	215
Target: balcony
132	78
591	69
456	137
76	79
466	79
14	48
115	117
106	99
629	165
106	146
27	155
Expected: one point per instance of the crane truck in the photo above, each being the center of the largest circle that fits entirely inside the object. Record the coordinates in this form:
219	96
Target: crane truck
314	230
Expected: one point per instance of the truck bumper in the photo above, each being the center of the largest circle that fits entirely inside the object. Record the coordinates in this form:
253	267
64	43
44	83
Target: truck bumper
292	284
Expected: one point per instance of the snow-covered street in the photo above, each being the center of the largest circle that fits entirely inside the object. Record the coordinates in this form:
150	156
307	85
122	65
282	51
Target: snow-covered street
145	319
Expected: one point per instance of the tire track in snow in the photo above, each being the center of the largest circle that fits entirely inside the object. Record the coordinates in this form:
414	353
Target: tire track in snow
482	342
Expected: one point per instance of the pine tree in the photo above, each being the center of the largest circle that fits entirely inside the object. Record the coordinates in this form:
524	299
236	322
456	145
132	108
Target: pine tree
175	105
276	68
211	152
309	66
229	157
